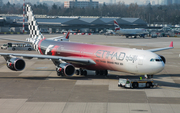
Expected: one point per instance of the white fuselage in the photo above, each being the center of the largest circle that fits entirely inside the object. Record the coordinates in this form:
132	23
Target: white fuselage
107	57
131	32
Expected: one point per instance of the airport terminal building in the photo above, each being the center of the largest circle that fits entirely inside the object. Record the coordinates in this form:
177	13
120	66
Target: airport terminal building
79	24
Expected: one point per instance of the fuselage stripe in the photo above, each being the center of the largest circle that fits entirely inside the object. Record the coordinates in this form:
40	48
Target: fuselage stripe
39	46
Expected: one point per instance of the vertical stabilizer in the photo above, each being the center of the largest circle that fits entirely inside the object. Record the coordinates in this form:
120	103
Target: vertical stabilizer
117	27
32	25
35	33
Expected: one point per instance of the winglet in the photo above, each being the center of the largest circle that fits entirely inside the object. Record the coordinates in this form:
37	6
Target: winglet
171	44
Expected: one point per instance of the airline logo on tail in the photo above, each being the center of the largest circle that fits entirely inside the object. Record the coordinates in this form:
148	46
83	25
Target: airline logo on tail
67	35
33	26
35	33
116	25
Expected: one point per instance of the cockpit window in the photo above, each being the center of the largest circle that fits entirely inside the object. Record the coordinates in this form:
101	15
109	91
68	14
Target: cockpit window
157	60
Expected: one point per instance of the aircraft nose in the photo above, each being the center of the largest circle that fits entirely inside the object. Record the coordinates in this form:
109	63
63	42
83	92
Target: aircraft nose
159	67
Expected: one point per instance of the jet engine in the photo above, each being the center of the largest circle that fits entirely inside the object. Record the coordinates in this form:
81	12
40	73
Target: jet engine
163	58
66	69
16	64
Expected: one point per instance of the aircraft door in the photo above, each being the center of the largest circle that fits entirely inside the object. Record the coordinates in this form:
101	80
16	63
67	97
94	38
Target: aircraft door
140	60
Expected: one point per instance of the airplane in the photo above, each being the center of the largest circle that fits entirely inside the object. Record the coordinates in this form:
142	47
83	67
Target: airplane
129	32
68	55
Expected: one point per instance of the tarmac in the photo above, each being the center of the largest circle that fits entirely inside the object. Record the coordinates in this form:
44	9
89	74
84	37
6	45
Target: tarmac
37	89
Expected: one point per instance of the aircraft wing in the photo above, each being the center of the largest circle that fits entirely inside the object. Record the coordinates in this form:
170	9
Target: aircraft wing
65	36
15	40
81	61
161	49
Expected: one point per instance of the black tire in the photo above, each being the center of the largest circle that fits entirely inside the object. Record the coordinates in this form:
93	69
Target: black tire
101	72
106	72
82	72
59	74
13	49
29	49
97	72
77	72
148	84
85	73
135	85
148	76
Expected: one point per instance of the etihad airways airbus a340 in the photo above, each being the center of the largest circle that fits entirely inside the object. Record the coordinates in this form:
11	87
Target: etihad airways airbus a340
68	55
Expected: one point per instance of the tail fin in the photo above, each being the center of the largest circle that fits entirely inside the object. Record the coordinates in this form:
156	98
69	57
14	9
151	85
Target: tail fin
35	33
116	25
61	38
67	35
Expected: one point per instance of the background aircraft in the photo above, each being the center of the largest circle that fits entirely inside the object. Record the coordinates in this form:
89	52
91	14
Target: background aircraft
68	55
130	32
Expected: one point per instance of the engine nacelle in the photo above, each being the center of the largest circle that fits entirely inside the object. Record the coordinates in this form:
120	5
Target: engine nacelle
16	64
66	69
163	58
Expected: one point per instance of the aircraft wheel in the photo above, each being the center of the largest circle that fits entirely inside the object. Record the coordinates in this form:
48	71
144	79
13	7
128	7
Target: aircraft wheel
58	74
77	72
85	73
13	49
149	76
106	72
102	72
82	72
97	72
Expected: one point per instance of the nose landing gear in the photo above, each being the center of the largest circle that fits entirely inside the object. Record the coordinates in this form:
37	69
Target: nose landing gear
148	76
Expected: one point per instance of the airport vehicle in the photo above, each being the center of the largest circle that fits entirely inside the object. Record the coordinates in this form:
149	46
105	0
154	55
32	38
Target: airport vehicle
19	46
136	83
130	32
68	55
109	32
153	35
4	46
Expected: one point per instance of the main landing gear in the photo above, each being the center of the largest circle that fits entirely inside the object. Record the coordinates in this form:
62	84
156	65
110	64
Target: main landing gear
97	72
59	73
81	72
102	72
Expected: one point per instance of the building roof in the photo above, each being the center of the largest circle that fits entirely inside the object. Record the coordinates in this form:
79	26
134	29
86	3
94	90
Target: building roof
90	21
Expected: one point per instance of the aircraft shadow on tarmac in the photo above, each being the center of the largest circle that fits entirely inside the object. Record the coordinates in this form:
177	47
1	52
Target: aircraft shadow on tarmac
176	83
